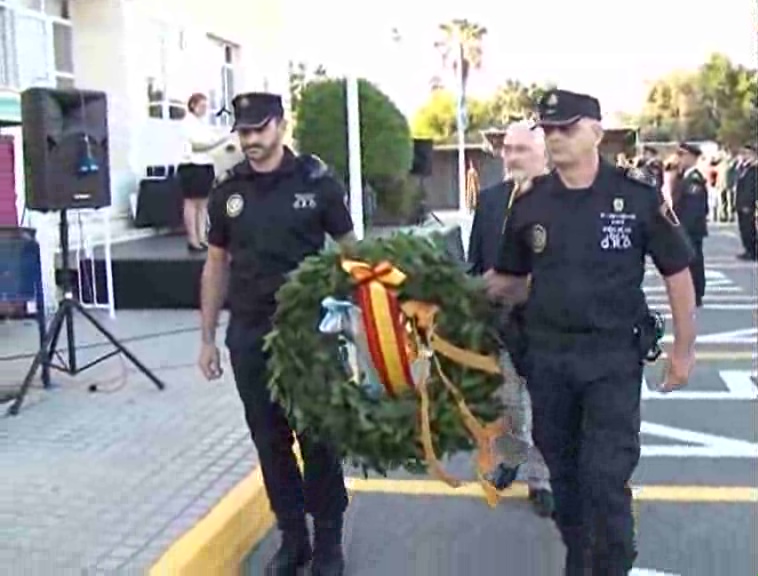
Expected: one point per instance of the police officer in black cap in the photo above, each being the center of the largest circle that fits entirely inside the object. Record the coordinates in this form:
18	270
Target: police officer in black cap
746	197
267	214
574	250
690	199
652	164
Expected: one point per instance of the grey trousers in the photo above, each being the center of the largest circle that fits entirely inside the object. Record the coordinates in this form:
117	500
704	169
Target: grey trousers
518	408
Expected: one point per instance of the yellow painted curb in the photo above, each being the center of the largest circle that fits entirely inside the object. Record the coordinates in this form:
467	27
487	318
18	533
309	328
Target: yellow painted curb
218	544
656	493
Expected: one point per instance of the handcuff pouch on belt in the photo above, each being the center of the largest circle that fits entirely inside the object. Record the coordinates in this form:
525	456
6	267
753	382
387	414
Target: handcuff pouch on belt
649	335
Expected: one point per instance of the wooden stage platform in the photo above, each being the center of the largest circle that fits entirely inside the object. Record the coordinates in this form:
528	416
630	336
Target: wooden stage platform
160	273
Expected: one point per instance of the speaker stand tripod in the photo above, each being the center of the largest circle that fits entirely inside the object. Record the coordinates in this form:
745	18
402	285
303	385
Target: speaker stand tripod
65	315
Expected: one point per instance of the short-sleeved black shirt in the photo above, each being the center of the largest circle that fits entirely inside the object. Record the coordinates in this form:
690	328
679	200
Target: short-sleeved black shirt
585	250
269	222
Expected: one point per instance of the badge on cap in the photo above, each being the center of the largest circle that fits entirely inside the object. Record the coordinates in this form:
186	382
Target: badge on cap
244	102
552	100
539	238
618	204
234	205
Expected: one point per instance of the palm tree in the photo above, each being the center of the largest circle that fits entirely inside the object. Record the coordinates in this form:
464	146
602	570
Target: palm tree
461	42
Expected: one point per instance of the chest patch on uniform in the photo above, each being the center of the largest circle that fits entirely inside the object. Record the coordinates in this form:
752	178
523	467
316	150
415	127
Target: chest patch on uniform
539	238
617	227
234	205
304	202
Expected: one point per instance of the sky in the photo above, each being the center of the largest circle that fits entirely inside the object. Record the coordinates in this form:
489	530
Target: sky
611	49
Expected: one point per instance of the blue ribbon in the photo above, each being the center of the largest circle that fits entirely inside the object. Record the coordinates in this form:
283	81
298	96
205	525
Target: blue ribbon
340	318
336	320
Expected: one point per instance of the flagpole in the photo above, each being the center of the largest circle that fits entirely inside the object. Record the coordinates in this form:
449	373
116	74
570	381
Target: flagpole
354	153
460	124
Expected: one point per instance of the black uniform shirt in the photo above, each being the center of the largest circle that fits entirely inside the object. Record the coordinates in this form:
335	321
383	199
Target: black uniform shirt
747	187
585	250
484	242
691	203
269	222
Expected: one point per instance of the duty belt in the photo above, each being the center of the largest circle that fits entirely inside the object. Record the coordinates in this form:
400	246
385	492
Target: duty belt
602	340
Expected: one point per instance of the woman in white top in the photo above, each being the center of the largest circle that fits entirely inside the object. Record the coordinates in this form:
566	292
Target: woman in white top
196	172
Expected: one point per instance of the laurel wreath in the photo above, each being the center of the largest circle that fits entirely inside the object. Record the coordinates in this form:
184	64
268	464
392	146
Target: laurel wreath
308	378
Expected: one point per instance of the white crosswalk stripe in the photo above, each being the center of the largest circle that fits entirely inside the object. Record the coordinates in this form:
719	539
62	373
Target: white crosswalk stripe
721	293
730	385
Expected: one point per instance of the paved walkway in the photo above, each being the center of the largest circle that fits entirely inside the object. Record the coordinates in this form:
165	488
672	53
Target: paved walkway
103	483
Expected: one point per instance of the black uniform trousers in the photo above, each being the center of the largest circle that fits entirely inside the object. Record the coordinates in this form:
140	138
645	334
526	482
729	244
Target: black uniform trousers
586	410
746	223
697	268
320	490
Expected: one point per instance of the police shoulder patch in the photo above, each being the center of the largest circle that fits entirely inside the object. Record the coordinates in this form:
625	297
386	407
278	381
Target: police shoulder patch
222	178
313	166
639	176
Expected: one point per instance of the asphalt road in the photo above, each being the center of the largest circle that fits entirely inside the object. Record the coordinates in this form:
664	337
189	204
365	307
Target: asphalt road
697	478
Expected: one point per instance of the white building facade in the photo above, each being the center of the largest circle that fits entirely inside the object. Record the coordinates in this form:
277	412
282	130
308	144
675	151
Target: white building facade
148	56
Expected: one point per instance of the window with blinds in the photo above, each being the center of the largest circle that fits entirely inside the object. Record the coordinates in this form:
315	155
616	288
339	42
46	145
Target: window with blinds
221	59
36	44
163	46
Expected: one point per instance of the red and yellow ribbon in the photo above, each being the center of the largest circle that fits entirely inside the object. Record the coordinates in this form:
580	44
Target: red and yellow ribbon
388	345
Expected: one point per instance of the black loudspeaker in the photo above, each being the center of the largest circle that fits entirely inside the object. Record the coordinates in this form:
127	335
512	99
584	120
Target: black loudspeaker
422	157
66	162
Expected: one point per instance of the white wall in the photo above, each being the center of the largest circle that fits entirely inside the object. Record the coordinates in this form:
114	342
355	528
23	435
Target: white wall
253	26
111	54
101	63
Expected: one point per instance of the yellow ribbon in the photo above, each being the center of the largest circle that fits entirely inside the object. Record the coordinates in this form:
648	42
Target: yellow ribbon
423	314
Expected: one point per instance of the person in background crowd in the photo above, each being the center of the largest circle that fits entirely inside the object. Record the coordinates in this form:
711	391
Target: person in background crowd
690	201
622	161
524	155
196	171
714	196
670	178
652	164
745	201
732	172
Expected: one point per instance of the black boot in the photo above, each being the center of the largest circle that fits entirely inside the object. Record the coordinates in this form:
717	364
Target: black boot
328	559
294	553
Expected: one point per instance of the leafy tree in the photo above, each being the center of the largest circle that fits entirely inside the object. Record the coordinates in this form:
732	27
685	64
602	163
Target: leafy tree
515	101
436	119
321	128
299	77
461	43
717	101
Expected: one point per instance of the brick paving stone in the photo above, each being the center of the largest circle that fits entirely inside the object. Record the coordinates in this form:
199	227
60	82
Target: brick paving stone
103	483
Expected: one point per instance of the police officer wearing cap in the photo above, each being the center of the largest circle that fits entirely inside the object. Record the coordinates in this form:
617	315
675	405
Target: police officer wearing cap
574	250
746	197
690	199
652	164
267	214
